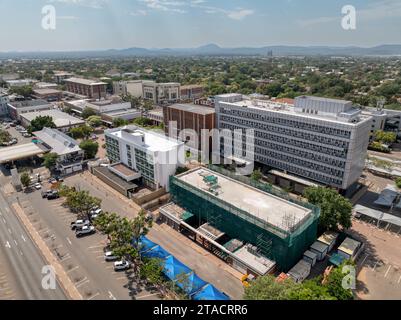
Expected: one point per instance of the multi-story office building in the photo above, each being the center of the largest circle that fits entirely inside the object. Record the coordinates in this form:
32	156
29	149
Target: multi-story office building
189	116
133	87
191	92
16	108
161	93
85	87
146	154
3	104
322	140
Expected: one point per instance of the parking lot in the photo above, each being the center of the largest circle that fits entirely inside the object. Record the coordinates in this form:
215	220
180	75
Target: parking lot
379	264
82	258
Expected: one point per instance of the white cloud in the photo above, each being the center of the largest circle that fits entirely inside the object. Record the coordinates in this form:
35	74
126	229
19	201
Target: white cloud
240	14
95	4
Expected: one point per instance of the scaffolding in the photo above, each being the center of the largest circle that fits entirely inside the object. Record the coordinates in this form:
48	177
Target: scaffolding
285	246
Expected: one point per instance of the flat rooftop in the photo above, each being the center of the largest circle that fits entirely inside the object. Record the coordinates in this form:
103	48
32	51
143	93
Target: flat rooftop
194	108
30	103
87	82
60	119
59	142
260	263
47	91
268	208
19	152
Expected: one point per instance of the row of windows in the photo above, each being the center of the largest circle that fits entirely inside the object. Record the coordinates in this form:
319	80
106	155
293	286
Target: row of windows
287	132
287	122
295	142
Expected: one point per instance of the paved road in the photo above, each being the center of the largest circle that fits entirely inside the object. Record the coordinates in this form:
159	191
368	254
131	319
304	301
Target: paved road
23	259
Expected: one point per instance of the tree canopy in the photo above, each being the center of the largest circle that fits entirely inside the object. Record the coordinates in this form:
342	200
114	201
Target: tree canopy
81	132
90	148
41	122
87	112
49	160
25	179
335	210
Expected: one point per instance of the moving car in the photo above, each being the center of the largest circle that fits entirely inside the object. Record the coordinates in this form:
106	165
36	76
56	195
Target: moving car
109	256
79	224
84	231
121	265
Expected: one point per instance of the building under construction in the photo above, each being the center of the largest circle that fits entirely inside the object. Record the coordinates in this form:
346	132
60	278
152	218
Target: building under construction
230	215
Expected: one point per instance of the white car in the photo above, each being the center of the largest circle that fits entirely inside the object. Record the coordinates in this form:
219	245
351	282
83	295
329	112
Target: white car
84	231
109	256
95	213
121	265
79	224
37	186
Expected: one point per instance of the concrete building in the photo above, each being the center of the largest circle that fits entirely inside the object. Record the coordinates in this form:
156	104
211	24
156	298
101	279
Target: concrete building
48	94
156	115
70	155
133	87
323	140
60	76
16	108
20	82
191	92
86	87
148	155
45	85
161	93
63	121
189	116
4	100
277	228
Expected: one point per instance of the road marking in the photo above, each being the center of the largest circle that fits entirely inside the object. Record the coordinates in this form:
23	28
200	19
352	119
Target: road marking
8	245
73	269
20	252
16	243
23	238
9	230
94	247
82	282
363	261
4	220
94	296
399	280
111	296
374	268
147	295
69	241
388	270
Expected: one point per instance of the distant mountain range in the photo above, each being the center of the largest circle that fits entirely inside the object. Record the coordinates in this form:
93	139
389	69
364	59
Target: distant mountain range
215	50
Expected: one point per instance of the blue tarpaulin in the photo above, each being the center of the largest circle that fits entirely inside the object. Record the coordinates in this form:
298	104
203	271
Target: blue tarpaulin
145	244
173	268
209	292
194	284
156	252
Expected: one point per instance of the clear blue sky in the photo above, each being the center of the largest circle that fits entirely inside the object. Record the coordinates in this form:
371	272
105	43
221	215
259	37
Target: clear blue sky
104	24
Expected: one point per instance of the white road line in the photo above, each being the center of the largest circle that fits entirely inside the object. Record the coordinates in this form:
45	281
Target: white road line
111	296
388	270
16	243
23	238
73	269
69	241
399	280
364	259
20	252
82	283
7	245
4	220
147	295
9	230
94	247
94	296
374	268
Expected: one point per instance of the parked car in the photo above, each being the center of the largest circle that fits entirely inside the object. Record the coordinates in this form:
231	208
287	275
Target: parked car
121	265
45	194
95	213
79	224
109	256
37	186
84	231
53	195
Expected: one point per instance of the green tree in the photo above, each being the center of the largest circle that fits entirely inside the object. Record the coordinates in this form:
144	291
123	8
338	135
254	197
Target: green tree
140	227
267	288
94	121
25	179
398	182
385	137
5	136
310	290
41	122
81	132
119	122
87	112
335	210
49	160
152	270
256	175
90	148
335	281
25	91
81	202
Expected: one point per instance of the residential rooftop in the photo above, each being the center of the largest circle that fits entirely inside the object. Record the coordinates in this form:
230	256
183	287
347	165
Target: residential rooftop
60	119
194	108
30	103
276	211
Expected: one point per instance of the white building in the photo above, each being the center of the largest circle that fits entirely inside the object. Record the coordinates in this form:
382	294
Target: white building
133	87
70	155
322	140
161	93
153	156
3	104
16	108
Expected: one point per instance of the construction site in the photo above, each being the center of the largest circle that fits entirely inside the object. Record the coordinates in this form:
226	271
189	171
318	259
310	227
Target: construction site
255	231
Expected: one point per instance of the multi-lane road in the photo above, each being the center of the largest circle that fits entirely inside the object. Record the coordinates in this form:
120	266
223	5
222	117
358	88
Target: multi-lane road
24	262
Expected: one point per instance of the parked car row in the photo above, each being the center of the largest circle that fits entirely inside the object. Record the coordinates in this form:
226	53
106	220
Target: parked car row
50	194
119	265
